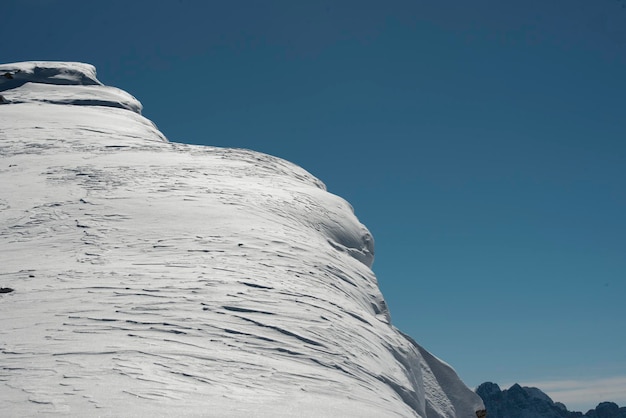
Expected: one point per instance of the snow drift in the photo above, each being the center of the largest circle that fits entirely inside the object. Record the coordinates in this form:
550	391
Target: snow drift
149	277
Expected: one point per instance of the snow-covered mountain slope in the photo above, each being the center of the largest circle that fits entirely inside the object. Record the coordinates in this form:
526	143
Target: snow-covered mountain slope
145	277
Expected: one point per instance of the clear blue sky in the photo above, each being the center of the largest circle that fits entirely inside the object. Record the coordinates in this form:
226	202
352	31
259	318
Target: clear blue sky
482	142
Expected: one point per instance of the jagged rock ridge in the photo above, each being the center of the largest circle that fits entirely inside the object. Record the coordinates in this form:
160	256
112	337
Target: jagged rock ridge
528	402
150	277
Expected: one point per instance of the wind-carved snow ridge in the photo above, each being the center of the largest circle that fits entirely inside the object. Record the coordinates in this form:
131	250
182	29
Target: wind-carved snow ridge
29	82
156	278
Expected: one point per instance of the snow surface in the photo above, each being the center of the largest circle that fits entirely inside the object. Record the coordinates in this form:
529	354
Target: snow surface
165	279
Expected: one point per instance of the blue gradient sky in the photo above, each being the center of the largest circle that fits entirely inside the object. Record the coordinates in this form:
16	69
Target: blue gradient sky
482	142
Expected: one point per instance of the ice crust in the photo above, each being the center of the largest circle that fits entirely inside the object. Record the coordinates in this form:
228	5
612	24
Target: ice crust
165	279
40	81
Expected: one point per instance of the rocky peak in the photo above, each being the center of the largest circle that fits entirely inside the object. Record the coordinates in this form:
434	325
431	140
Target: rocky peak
530	402
488	389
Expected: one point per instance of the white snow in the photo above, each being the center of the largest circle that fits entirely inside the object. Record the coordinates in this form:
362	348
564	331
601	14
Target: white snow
39	82
165	279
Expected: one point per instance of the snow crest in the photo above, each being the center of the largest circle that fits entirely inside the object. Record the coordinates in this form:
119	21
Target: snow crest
149	277
32	82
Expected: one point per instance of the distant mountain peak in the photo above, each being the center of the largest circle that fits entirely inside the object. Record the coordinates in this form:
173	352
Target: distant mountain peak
488	388
530	402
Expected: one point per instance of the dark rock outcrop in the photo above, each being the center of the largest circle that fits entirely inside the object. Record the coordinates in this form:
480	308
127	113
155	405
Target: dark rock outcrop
529	402
607	410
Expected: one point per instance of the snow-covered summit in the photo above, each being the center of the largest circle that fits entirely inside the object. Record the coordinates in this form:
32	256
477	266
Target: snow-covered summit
48	72
27	82
146	277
